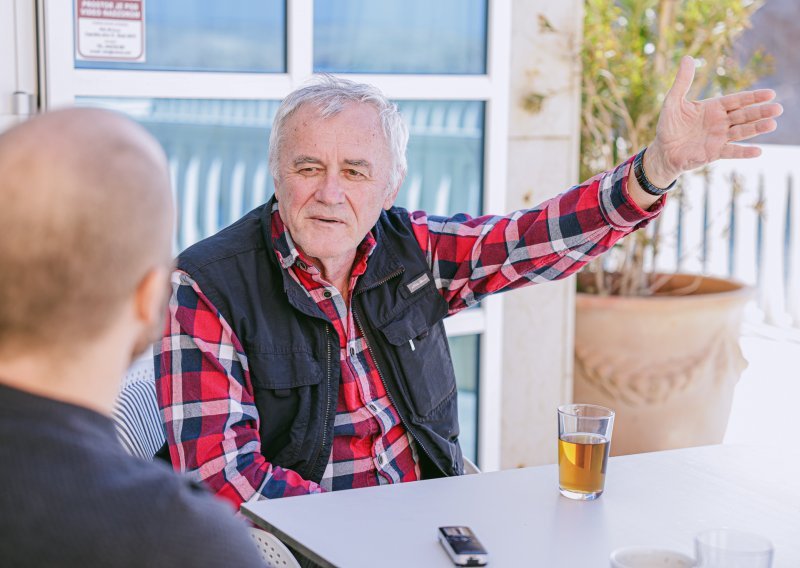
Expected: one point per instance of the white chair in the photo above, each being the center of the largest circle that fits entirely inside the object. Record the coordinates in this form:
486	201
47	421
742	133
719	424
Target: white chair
273	552
470	468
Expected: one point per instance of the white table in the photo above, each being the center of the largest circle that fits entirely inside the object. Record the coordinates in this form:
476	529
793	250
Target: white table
661	499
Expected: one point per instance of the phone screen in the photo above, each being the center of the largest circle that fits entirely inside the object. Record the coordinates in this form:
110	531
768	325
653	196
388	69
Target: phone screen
462	540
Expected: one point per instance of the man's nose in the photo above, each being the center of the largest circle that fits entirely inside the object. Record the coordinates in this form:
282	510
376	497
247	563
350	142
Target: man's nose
330	190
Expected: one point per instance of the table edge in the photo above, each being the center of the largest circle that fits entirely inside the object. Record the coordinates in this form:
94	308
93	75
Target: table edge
285	538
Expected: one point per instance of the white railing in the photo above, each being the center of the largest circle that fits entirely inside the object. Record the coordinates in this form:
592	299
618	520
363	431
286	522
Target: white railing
741	219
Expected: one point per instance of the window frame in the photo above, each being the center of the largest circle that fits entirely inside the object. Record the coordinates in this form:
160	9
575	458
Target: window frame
18	65
61	83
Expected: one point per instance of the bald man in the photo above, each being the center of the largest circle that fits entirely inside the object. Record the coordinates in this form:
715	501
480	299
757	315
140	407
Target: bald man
86	220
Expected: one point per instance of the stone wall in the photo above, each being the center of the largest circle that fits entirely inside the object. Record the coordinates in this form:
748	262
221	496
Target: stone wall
544	131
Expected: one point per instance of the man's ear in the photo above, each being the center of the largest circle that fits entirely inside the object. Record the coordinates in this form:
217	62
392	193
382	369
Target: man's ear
391	195
150	308
152	294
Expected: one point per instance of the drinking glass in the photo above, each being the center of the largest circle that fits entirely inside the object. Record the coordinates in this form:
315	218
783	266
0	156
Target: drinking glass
729	548
584	440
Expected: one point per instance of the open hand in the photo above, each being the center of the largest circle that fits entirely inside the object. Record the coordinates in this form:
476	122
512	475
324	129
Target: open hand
691	134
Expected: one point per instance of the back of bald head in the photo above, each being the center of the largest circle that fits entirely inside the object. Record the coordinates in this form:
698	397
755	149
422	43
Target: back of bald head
86	213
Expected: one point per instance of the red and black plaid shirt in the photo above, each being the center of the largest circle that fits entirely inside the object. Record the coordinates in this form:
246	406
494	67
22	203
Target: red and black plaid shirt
204	386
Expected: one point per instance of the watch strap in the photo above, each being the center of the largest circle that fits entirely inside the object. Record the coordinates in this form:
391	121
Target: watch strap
641	177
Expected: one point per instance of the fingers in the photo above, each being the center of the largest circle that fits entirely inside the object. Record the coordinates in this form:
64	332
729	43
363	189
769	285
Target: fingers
746	98
736	152
683	81
754	113
745	131
749	121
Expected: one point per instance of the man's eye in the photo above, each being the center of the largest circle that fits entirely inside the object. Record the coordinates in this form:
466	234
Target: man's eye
354	173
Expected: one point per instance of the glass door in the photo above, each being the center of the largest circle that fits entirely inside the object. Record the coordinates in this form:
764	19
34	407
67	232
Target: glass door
206	78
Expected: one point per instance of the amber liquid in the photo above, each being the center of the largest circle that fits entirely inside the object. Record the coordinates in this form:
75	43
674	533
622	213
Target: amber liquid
582	460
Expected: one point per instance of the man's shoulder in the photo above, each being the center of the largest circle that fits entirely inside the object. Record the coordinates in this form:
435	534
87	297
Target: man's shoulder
395	219
117	510
396	213
243	236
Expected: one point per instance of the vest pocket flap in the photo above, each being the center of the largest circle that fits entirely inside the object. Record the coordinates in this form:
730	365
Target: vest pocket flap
410	325
285	371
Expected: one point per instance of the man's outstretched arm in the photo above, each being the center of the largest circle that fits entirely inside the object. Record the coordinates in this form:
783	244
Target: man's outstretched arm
472	258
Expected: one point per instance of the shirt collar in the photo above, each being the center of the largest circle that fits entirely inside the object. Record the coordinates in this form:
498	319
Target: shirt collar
288	254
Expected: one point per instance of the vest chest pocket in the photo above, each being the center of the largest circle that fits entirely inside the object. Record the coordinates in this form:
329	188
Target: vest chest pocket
287	396
422	355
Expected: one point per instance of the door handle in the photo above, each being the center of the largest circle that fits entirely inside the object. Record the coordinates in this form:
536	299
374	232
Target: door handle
24	104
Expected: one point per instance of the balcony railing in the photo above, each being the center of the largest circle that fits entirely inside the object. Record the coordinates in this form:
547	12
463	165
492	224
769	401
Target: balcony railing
741	219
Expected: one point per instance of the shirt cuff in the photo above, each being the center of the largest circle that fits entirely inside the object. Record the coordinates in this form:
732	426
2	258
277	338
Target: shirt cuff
616	204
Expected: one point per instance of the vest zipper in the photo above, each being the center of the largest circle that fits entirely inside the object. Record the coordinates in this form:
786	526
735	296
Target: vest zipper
386	388
327	398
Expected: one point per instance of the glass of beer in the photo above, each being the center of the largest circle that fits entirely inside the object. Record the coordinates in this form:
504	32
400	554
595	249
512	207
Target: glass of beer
584	440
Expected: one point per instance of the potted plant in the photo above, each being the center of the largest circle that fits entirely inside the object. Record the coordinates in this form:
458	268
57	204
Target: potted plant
661	349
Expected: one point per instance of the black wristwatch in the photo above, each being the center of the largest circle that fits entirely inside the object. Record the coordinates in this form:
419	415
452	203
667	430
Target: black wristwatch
641	177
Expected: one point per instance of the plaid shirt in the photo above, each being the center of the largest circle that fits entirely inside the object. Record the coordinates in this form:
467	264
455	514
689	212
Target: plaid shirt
203	382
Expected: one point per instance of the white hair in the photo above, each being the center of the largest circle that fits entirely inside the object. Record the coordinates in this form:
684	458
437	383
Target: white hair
331	94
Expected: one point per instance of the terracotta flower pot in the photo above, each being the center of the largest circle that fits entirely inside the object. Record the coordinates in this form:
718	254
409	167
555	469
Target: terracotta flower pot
666	364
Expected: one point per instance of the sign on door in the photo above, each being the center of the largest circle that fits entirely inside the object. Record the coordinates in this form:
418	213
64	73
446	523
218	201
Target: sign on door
109	30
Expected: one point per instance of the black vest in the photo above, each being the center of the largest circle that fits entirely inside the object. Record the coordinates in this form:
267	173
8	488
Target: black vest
293	350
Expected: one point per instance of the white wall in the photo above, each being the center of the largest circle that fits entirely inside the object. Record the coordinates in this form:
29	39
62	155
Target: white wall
542	162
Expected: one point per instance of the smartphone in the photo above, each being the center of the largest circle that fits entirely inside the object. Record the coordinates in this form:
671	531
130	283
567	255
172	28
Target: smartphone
463	546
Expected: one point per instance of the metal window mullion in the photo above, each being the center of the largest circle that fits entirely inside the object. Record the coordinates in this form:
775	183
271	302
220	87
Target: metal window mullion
429	87
179	84
56	53
25	41
468	322
299	41
494	201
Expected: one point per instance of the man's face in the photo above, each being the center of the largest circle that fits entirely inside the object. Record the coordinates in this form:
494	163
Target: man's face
333	180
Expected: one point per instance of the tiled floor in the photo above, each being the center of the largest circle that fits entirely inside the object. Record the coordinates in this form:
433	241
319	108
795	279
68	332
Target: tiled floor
765	404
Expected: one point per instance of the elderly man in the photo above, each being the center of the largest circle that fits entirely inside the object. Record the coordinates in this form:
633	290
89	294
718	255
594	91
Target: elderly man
84	264
305	349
